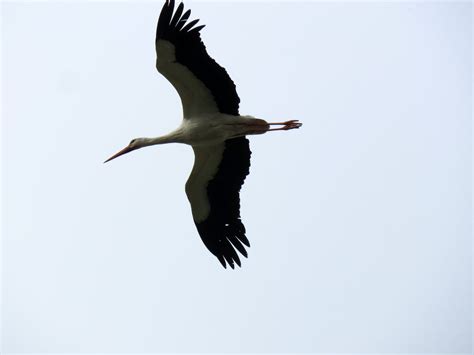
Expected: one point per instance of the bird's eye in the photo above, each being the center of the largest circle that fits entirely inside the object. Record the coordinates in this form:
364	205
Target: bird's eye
132	141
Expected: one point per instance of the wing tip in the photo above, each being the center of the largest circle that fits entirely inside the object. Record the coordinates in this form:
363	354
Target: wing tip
221	260
172	21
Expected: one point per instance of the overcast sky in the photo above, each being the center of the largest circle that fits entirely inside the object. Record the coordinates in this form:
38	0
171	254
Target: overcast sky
360	222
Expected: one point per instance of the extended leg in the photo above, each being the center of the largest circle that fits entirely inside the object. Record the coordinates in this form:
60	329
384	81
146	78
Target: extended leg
292	124
258	126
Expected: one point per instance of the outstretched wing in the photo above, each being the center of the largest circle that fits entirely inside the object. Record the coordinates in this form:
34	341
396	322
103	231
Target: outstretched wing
213	190
203	85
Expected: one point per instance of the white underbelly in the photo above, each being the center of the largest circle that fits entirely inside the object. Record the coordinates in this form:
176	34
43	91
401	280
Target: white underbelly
215	128
204	131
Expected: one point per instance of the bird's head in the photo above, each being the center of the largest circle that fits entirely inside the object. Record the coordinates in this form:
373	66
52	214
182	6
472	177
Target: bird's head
133	145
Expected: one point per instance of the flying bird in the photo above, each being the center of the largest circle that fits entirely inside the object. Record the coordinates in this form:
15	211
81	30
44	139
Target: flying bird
213	127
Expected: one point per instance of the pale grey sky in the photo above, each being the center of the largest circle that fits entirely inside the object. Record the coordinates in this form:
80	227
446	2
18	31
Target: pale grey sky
360	222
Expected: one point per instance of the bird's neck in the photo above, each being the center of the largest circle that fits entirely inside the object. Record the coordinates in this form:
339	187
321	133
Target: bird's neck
173	137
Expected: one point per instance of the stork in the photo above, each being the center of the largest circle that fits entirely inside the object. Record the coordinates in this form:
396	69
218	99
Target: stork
213	127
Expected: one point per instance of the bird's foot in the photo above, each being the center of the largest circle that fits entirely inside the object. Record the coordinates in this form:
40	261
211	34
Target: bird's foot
292	124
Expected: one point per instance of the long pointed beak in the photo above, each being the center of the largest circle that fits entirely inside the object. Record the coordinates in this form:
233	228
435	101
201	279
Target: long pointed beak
125	150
